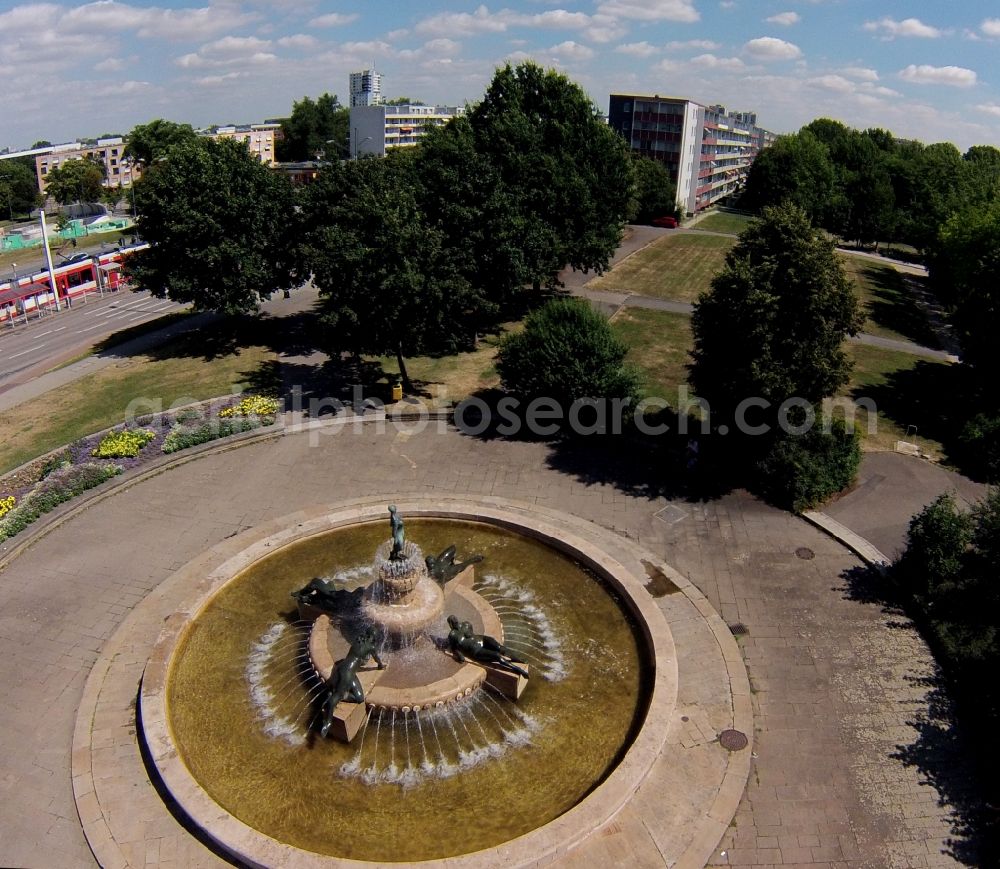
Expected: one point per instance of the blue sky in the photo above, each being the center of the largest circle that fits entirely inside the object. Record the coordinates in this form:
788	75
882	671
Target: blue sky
926	70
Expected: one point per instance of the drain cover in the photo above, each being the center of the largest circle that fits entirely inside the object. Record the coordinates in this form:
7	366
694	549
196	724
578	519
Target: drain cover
733	740
805	553
739	629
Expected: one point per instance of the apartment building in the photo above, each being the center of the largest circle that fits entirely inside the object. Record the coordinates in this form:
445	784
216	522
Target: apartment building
117	170
376	129
259	138
366	88
707	149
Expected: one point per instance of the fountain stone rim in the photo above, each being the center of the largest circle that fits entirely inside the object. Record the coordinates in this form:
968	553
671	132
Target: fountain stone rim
544	844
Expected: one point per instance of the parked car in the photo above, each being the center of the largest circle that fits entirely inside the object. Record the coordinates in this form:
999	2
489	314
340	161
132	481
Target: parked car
667	222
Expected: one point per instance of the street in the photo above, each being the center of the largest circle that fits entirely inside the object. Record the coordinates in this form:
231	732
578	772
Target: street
57	336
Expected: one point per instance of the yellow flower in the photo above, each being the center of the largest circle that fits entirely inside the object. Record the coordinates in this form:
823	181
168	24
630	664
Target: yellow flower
252	405
6	505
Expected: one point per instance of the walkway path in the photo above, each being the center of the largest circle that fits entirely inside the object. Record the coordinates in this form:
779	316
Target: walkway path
840	685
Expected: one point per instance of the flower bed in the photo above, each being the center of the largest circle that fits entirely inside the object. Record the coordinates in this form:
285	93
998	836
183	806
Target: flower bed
38	486
57	487
124	443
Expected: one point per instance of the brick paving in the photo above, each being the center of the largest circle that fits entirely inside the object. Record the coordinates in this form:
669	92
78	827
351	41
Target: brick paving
840	686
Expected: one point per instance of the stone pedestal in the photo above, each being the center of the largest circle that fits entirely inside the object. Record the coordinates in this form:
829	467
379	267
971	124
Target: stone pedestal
511	685
348	718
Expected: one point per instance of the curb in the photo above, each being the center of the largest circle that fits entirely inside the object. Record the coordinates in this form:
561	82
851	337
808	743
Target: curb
866	551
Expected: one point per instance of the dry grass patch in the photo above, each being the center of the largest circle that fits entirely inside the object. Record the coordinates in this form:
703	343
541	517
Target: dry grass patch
100	400
677	267
659	345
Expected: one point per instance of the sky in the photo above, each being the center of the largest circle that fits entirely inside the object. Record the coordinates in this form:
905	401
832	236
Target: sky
924	70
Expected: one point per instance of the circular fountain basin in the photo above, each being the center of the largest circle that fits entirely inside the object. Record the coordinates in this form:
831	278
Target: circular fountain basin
543	773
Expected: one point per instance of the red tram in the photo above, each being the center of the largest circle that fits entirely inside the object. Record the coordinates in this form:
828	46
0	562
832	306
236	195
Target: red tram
86	274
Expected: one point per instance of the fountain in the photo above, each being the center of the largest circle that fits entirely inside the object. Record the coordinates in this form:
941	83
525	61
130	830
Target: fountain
314	703
421	665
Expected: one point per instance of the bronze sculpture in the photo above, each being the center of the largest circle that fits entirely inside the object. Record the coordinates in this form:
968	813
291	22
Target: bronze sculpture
481	648
396	523
344	683
444	567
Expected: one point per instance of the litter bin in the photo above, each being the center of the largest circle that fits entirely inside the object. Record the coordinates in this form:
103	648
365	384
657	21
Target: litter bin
397	391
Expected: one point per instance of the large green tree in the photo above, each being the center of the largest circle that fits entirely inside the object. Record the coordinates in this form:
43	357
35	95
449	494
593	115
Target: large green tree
18	189
390	284
149	142
965	268
316	128
655	191
75	181
773	324
797	169
568	174
221	227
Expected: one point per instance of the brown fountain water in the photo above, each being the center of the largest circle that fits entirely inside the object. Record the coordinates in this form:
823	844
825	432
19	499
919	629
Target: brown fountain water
457	774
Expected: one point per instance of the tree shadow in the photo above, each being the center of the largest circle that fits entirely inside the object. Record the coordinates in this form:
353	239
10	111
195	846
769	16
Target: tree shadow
944	748
639	463
894	307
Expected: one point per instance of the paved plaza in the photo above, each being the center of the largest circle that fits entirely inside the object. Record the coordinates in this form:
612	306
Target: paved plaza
851	767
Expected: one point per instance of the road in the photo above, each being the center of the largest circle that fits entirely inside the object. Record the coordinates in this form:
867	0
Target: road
28	349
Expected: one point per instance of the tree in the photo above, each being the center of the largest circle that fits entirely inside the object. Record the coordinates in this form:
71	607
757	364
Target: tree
566	352
568	174
315	128
773	323
403	101
149	142
111	196
75	181
221	226
797	169
655	192
389	283
18	189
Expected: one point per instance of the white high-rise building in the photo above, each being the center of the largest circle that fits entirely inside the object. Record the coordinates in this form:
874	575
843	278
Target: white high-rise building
366	88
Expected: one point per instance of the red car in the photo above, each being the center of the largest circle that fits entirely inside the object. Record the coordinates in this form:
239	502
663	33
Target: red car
667	222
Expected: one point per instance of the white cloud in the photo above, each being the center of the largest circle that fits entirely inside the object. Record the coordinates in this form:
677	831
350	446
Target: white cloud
860	72
636	49
570	50
600	27
833	83
991	27
703	44
332	19
710	61
651	10
298	40
912	27
786	19
989	109
772	48
953	76
110	64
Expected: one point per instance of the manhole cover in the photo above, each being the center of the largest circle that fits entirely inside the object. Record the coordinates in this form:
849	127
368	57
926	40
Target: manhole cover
739	629
733	740
671	514
805	553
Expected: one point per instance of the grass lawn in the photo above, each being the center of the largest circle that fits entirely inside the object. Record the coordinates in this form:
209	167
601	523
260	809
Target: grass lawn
450	378
677	267
891	311
659	343
877	372
101	399
723	221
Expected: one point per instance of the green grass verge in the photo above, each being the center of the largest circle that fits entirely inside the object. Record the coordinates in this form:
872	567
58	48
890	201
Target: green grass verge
677	267
722	221
890	309
659	344
100	400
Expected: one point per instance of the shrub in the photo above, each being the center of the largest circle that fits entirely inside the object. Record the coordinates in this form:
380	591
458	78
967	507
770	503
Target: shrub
566	351
252	405
59	486
181	437
980	443
125	443
802	471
